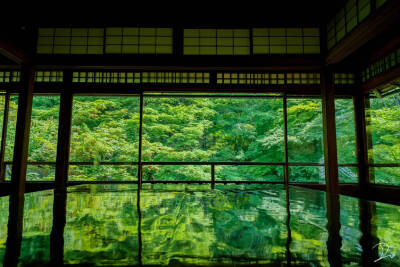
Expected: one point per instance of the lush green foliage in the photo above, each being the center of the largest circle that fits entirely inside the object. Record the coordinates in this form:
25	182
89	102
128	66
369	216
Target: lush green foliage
198	129
384	126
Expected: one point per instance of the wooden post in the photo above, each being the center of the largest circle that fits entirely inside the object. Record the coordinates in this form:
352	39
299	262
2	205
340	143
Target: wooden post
334	242
57	231
140	166
14	229
361	141
369	240
212	176
289	231
4	138
21	143
285	137
64	134
328	117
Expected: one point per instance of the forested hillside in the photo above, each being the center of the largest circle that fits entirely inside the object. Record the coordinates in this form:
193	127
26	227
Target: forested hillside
198	129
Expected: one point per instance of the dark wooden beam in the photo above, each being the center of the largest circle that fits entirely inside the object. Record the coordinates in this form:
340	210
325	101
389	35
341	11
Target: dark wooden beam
4	138
381	80
140	166
14	230
130	89
64	133
361	140
373	26
163	62
285	135
13	52
21	143
64	139
57	231
334	242
329	132
369	239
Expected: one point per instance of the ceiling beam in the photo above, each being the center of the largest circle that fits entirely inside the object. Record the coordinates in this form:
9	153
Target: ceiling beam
383	20
382	79
13	52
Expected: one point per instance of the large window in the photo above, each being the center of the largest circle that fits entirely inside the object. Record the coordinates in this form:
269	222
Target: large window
104	138
216	129
42	150
185	137
383	124
305	140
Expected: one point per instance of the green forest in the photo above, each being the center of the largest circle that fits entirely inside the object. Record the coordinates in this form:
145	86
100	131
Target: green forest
204	129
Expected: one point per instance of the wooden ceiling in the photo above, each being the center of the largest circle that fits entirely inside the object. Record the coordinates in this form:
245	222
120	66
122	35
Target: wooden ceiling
189	13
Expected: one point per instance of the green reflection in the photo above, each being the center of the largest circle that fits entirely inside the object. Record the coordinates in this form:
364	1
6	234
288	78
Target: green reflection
194	225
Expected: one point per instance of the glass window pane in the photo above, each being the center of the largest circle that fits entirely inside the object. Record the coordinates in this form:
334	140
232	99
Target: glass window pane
11	126
102	173
307	174
2	103
305	139
43	136
385	175
384	125
271	173
105	129
213	129
345	131
176	173
348	174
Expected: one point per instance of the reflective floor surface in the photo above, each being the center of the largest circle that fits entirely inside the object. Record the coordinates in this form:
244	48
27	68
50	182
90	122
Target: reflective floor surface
195	225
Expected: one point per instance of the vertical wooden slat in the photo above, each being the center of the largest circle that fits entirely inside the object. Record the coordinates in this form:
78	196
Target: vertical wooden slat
177	41
140	168
4	138
64	133
289	231
14	229
329	131
285	134
212	176
334	242
21	143
140	244
368	239
361	140
57	230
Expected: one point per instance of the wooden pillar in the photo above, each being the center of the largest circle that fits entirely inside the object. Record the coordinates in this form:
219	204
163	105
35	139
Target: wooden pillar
369	240
21	143
64	134
14	230
328	117
4	138
140	243
212	176
289	231
178	41
57	231
285	137
334	242
140	166
361	141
